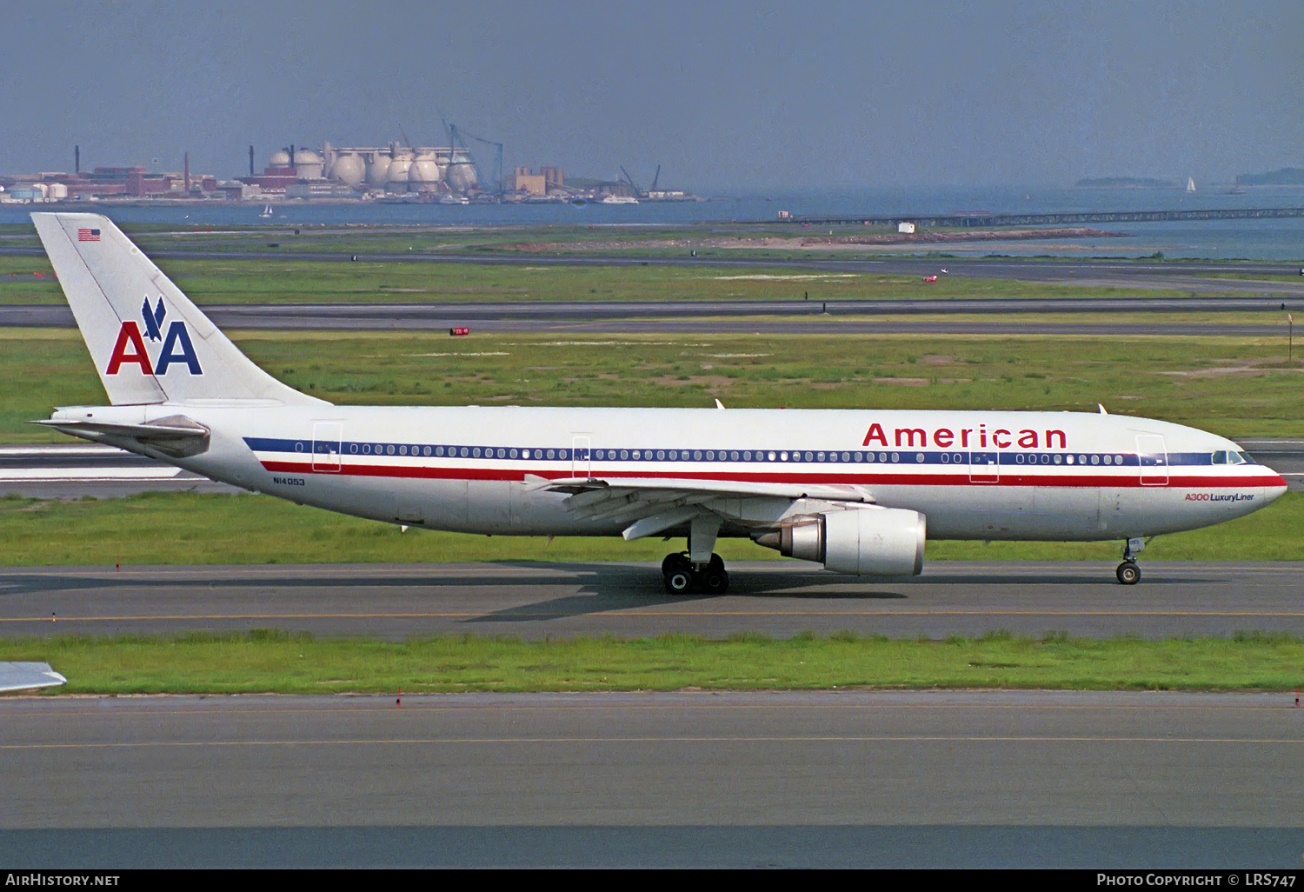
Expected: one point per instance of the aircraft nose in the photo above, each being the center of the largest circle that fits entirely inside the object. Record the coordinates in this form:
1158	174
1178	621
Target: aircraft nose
1274	486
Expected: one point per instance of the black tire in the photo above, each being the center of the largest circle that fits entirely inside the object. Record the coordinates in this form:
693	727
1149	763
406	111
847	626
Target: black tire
676	561
679	582
1128	573
715	582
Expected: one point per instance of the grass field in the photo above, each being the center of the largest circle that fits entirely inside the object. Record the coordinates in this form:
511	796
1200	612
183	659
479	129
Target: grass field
266	661
279	280
1232	386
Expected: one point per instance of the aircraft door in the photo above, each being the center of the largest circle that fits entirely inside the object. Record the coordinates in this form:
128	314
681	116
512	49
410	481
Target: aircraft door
327	438
984	467
1152	456
581	456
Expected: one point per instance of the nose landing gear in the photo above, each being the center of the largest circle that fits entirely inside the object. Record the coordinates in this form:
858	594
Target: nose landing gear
1128	572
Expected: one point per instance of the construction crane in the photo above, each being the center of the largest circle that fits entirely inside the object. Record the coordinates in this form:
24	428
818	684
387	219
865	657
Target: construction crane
639	193
496	174
629	180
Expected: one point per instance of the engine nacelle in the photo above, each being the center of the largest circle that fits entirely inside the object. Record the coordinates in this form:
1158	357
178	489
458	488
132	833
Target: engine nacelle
857	541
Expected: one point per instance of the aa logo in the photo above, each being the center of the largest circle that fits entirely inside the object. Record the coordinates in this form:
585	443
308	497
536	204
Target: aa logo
176	349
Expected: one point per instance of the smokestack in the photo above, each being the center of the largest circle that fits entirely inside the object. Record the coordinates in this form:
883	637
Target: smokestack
187	157
251	161
76	159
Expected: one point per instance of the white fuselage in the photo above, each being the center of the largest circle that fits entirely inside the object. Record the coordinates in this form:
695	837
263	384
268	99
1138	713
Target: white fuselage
974	475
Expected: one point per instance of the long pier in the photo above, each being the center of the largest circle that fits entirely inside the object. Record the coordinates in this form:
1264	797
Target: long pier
981	220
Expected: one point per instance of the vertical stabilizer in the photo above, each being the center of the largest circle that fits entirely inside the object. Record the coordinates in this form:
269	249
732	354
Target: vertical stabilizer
150	344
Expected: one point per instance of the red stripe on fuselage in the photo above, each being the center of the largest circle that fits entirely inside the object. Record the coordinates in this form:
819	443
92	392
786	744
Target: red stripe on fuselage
893	478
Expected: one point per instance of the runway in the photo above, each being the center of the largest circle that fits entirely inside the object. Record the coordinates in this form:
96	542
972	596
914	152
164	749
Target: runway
538	600
929	779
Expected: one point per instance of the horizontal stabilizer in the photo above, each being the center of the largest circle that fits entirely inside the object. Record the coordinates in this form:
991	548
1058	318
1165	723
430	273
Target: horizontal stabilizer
175	435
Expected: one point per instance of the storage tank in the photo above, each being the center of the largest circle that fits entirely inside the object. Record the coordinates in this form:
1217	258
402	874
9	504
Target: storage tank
423	175
399	166
378	169
349	169
57	192
461	172
279	159
308	164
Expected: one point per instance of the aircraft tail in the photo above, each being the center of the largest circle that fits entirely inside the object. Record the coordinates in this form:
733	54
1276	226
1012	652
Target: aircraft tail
150	344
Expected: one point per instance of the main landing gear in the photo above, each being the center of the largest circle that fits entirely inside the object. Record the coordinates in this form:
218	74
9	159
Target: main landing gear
682	578
1128	572
699	569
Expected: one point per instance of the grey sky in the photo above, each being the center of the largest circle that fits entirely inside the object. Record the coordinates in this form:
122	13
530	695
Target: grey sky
748	96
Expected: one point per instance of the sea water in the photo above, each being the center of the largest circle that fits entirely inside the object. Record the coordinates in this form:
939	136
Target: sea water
1254	239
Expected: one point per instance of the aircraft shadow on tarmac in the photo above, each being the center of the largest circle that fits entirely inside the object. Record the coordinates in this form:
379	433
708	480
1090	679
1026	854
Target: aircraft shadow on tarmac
607	588
589	588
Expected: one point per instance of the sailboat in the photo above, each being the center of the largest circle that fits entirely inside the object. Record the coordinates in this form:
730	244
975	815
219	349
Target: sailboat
1190	184
267	211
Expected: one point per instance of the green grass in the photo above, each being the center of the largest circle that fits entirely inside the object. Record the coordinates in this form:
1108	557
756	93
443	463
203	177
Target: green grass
269	661
163	528
283	280
1233	386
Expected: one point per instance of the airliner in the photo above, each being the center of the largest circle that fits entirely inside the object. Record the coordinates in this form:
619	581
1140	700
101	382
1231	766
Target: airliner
857	490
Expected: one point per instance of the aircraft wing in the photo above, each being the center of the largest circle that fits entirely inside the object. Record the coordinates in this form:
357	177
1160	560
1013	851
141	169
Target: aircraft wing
654	504
28	676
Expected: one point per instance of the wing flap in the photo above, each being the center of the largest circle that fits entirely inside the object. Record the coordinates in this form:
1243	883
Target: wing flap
653	505
595	486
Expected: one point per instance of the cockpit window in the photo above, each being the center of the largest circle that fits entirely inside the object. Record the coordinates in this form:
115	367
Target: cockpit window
1224	457
1245	458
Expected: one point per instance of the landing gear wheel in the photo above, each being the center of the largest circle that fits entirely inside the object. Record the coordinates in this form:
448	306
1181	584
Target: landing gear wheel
679	581
677	561
715	581
1128	573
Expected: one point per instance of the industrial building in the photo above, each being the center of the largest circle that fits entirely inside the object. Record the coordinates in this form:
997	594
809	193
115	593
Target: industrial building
392	172
347	172
113	182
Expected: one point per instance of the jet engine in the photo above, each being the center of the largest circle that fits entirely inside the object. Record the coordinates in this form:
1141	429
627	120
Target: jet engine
867	541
